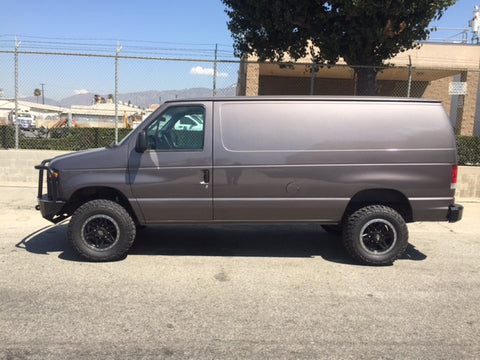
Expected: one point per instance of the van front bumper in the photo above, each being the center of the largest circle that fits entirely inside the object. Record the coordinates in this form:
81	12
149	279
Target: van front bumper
455	213
50	209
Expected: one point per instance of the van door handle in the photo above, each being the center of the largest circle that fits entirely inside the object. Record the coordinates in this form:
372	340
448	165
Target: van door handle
206	177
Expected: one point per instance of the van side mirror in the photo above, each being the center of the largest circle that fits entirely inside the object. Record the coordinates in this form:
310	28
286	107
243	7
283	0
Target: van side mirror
141	144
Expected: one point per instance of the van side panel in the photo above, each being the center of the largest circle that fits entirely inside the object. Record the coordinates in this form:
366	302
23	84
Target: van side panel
305	160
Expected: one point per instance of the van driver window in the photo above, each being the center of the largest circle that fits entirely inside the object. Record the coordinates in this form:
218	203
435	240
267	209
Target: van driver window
179	128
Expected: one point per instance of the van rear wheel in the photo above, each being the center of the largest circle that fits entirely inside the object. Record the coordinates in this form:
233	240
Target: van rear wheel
101	230
375	235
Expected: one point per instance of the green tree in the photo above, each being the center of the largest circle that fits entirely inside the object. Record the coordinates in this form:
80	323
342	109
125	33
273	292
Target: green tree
37	93
362	32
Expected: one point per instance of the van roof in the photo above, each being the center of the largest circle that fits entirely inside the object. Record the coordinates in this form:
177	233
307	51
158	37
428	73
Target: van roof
308	98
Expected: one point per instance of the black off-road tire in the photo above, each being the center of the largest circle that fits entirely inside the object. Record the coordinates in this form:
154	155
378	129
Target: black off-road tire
101	230
375	235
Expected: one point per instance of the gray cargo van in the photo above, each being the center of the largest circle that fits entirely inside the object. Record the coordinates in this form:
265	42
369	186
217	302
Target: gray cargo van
360	167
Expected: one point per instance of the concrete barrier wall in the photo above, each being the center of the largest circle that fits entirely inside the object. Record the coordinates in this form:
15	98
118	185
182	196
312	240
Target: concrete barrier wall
468	182
17	166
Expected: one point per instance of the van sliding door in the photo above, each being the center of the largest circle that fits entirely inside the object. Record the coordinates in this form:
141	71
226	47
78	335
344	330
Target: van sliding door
266	164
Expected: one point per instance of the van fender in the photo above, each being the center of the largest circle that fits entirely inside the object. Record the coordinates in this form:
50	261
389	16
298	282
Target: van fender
387	197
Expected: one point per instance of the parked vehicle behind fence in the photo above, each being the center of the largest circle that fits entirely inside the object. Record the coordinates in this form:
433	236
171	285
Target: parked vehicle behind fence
26	120
362	167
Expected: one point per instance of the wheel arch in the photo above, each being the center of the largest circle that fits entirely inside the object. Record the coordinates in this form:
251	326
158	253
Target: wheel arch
387	197
86	194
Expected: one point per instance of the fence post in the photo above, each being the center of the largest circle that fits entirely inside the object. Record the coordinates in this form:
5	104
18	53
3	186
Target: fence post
119	48
17	130
409	76
214	92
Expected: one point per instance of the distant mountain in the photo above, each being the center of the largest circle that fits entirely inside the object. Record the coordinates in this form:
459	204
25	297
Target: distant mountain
144	99
34	99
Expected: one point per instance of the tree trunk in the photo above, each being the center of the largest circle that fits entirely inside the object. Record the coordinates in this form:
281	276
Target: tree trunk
366	81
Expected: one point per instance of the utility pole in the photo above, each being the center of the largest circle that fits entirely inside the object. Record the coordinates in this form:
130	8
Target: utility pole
43	94
409	76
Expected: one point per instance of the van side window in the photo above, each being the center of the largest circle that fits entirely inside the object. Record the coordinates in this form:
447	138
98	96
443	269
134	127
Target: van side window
178	128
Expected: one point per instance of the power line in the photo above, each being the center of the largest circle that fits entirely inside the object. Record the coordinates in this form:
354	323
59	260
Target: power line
133	47
69	39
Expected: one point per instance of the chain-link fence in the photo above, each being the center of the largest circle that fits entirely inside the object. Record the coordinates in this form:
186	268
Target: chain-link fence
48	100
44	91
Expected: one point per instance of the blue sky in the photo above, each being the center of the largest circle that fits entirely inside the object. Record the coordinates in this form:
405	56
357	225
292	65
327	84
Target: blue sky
178	21
179	28
456	16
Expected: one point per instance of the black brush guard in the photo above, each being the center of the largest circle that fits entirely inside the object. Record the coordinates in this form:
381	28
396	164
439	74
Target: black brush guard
48	204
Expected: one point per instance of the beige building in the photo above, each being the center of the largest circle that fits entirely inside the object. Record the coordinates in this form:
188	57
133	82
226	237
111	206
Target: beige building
102	115
97	115
438	71
43	113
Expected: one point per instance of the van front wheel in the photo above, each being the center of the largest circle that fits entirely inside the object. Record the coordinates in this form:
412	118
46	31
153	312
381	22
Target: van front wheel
101	230
375	235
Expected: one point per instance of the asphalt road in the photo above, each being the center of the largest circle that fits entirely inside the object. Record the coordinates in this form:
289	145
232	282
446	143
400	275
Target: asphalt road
241	292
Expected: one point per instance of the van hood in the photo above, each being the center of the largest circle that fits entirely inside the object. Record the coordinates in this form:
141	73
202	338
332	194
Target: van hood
106	158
